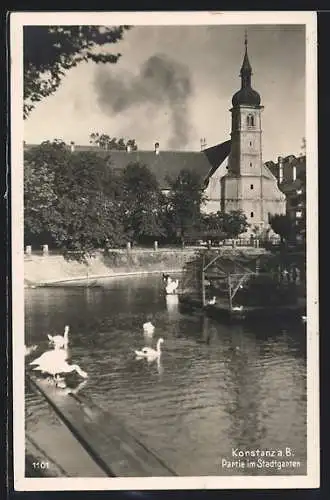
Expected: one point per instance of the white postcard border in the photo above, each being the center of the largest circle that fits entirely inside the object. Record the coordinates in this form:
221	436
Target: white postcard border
17	21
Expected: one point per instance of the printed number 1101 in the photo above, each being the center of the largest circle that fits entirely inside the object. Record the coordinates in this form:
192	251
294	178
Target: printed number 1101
40	465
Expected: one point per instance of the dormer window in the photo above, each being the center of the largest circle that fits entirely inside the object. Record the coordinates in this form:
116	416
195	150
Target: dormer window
250	120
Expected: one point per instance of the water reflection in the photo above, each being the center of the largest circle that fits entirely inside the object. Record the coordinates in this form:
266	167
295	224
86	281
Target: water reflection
215	386
172	305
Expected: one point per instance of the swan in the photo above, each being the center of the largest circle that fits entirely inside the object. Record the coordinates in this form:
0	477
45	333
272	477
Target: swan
148	328
30	349
58	340
211	302
238	308
166	277
149	353
54	363
171	286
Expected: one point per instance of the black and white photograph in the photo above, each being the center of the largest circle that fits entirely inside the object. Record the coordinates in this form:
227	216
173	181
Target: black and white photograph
164	250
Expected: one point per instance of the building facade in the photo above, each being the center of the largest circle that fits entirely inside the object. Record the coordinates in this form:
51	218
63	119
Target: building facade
245	183
290	172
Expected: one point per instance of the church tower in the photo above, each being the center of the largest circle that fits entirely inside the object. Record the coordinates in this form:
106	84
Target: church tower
246	151
248	185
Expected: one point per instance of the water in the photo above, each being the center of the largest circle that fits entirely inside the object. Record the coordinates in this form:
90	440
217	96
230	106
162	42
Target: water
217	387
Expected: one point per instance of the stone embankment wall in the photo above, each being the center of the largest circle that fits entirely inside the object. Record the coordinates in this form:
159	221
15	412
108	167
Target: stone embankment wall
47	269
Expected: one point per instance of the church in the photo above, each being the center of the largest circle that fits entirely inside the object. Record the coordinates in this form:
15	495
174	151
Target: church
233	173
242	181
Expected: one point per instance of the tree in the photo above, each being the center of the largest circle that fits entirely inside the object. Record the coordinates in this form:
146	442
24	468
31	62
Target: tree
212	227
50	51
104	141
79	205
185	200
235	223
40	197
220	225
142	201
282	225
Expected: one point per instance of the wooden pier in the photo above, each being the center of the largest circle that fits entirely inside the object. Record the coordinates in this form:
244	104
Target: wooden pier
107	447
237	287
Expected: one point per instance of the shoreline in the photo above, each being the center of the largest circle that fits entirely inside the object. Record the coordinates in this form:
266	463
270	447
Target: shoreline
55	270
48	284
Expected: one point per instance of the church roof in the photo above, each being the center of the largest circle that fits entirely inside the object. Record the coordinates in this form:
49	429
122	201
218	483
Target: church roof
166	163
169	163
246	95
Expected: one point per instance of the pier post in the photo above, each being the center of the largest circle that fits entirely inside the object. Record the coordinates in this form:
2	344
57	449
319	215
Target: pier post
28	250
203	282
155	245
230	296
45	249
128	246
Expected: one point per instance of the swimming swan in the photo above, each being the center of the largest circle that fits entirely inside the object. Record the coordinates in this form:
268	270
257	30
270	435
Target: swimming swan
59	341
171	286
149	353
148	327
54	363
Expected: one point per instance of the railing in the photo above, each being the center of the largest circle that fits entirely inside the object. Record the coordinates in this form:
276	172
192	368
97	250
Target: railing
44	250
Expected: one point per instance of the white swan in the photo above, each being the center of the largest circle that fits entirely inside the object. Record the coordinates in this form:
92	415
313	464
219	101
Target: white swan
211	302
238	308
59	341
171	286
30	349
149	353
54	363
148	328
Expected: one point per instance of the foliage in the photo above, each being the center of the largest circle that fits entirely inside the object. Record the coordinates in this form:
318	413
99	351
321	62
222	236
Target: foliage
282	225
184	202
235	223
50	51
104	141
221	225
143	203
77	200
40	197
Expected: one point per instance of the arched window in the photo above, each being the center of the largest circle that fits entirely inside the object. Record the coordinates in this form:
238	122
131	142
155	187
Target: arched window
250	120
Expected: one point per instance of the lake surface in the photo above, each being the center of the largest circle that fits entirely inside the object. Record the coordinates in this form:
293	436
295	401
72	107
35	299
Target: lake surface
218	387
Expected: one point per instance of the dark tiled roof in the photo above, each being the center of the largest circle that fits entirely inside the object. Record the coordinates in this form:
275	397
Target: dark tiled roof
217	154
167	163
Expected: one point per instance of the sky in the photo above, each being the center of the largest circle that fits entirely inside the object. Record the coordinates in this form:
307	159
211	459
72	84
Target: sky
174	85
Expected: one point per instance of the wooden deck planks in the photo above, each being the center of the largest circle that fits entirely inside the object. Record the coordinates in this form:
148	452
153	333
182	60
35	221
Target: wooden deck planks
115	449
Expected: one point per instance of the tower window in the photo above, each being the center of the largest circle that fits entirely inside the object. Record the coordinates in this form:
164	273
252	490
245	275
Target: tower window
250	163
251	186
250	143
250	120
252	214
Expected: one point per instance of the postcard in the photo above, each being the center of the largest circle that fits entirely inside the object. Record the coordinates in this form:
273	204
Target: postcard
165	267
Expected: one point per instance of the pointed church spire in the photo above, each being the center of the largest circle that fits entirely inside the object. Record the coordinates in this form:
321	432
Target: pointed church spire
246	95
246	69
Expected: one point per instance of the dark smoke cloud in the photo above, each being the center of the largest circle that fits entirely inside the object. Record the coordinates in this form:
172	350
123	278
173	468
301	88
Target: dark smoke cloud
161	81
